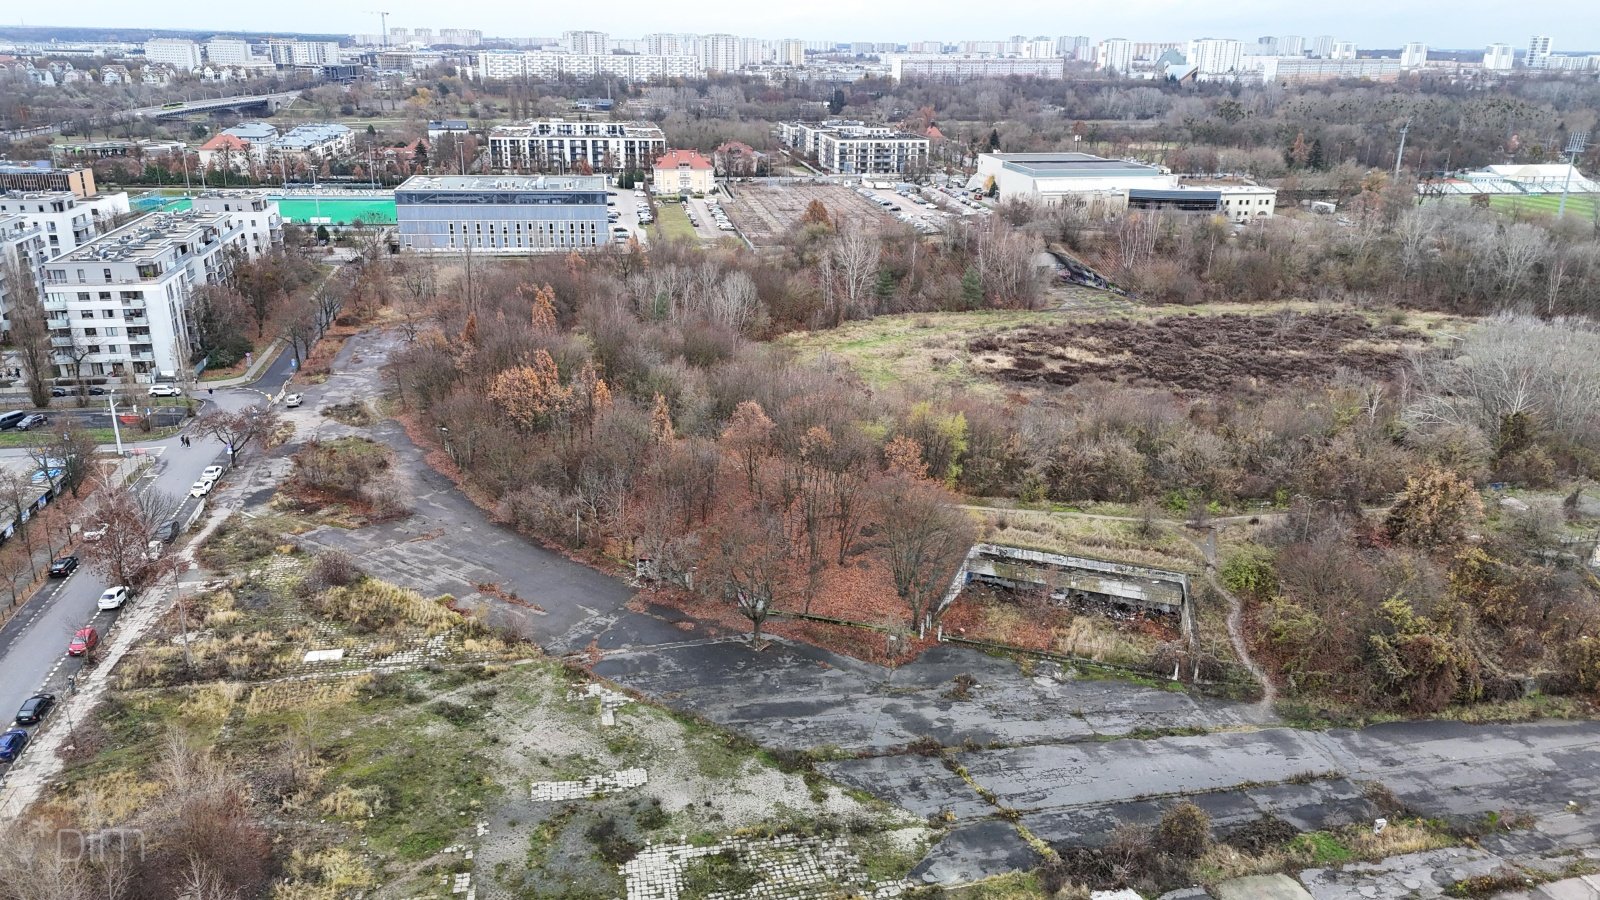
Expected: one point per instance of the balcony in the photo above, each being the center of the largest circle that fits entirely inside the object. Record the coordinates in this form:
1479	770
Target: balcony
142	356
135	319
62	342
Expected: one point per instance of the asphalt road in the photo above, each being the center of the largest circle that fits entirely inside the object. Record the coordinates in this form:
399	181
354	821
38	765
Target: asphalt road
33	643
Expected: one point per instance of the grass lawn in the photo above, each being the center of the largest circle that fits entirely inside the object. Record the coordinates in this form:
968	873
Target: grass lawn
130	434
1581	206
672	223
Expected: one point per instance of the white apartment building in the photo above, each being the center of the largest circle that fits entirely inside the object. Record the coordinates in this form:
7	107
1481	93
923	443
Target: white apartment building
303	53
180	54
960	66
1215	56
312	144
1539	47
66	221
1291	45
263	226
1344	50
1114	55
118	307
854	148
1040	48
721	53
1499	58
22	256
1322	46
791	52
504	65
556	145
1414	55
1075	46
586	43
228	52
672	44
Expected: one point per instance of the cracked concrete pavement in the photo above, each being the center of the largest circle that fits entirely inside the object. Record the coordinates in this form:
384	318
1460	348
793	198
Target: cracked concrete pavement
1070	755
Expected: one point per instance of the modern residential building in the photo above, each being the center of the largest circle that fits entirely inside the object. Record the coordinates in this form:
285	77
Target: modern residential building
1322	46
506	65
118	306
734	159
303	53
312	144
1292	70
1291	45
258	214
1499	58
556	145
791	52
41	176
148	148
1344	50
721	53
22	256
1215	56
502	213
228	52
1414	55
855	148
1075	47
1539	47
956	67
438	128
586	43
682	172
1114	55
66	221
180	54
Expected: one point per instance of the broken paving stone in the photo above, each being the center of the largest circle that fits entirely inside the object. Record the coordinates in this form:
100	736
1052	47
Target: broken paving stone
592	786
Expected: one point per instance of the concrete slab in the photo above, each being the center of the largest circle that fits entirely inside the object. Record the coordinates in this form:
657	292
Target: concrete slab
1260	887
973	852
1568	889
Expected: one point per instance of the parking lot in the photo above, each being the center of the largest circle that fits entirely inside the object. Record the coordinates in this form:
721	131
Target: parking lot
767	212
626	206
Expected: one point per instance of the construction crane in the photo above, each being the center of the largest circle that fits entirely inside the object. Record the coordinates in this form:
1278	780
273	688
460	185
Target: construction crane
383	21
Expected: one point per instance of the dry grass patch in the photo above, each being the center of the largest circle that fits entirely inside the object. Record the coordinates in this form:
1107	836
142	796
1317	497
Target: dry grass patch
372	605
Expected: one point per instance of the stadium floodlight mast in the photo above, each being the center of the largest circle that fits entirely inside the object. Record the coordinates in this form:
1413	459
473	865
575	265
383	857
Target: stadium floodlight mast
1576	144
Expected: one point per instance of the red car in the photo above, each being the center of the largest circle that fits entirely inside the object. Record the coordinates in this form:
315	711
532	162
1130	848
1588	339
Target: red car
83	642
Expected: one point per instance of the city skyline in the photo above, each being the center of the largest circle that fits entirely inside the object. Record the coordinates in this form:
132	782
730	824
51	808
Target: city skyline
1471	26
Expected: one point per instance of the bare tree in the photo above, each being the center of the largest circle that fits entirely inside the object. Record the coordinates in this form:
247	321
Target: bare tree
923	537
121	555
236	429
850	272
30	333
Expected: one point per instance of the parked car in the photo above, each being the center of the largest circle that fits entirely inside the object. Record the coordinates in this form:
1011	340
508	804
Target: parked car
60	392
35	708
33	421
83	642
95	532
63	567
211	473
293	401
165	390
11	744
114	597
201	487
167	531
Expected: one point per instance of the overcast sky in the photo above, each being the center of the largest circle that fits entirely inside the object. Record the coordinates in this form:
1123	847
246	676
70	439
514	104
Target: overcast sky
1469	24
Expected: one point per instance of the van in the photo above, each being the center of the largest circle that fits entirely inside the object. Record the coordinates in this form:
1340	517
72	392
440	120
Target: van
10	419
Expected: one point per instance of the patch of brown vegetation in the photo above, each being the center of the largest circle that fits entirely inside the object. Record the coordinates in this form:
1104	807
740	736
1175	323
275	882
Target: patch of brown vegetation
1207	354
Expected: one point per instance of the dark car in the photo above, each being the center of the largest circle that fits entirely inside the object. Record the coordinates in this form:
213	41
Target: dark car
83	642
63	567
11	744
60	392
167	531
35	708
33	421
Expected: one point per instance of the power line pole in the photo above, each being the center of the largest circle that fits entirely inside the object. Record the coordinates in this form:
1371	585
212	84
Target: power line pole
1401	153
1576	144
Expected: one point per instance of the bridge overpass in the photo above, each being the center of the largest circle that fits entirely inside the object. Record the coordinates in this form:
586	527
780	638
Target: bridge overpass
268	102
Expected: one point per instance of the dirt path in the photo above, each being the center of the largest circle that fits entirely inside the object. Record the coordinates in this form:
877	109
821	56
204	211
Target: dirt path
1241	648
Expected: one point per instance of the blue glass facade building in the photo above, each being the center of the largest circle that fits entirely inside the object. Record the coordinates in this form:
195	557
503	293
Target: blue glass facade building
502	213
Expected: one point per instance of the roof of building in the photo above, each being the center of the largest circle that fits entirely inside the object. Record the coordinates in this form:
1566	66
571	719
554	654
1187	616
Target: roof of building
468	183
302	137
1072	165
252	131
683	159
226	141
145	238
449	125
735	147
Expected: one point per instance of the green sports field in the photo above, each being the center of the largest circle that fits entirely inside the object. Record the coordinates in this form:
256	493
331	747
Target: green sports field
1580	205
338	210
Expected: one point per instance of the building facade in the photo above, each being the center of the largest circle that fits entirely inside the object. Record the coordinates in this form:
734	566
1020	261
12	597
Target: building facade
180	54
854	148
1499	58
683	172
41	176
586	43
1114	55
556	145
1539	47
258	215
66	221
228	52
502	214
1215	56
955	67
509	65
1414	55
118	307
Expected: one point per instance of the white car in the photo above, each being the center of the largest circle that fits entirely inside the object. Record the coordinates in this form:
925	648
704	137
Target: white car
95	532
202	487
210	473
114	597
165	390
293	401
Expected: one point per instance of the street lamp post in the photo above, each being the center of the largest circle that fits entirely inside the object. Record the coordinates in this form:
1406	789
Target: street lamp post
444	435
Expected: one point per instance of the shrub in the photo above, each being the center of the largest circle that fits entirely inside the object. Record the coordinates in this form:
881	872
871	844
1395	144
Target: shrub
1184	831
